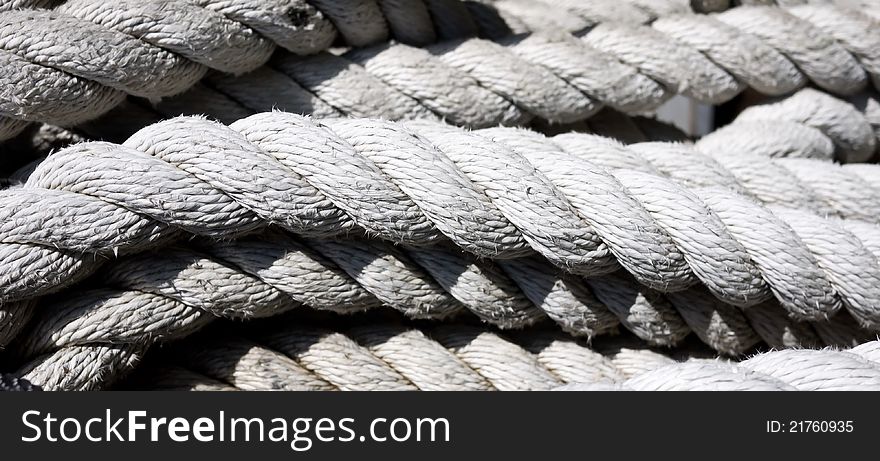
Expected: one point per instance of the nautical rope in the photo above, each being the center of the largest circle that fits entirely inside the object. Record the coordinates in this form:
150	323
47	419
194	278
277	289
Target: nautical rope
11	383
297	355
556	77
811	266
868	7
158	48
809	123
161	297
805	370
577	76
507	17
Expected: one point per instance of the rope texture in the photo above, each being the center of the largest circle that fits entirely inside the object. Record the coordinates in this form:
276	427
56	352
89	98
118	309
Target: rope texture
722	292
477	83
9	383
386	356
809	123
667	214
77	61
474	82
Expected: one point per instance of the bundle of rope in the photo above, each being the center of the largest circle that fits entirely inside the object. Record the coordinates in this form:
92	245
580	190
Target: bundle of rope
11	383
297	354
473	82
56	68
588	206
809	123
506	17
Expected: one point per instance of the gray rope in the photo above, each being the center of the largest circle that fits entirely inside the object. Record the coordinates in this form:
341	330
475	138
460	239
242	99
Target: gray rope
401	82
169	45
479	214
158	48
292	355
172	294
551	76
808	124
631	68
10	383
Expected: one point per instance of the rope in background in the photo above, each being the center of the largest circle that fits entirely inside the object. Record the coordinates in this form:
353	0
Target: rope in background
298	354
11	383
847	288
159	48
809	123
174	293
40	140
416	207
554	77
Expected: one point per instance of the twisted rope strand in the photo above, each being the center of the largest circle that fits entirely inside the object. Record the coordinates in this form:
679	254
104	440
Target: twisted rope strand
158	48
274	193
488	234
154	308
573	74
400	82
638	64
390	357
182	276
158	39
808	124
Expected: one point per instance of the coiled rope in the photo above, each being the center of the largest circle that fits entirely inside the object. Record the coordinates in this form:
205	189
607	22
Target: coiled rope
555	77
808	124
77	61
304	355
11	383
94	200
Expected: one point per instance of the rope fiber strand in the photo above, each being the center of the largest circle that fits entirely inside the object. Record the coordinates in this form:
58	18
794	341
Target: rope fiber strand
297	354
474	82
536	251
691	228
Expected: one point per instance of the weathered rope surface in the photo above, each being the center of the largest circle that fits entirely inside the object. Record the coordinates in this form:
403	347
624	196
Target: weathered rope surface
297	355
556	77
55	68
82	201
869	8
474	83
547	75
11	383
808	124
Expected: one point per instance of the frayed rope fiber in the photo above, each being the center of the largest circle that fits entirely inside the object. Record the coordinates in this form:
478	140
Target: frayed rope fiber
556	77
808	123
710	233
293	354
169	44
9	383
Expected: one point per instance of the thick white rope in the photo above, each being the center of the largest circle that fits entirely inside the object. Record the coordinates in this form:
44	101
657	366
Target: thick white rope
869	8
170	296
297	355
400	82
550	76
638	58
158	48
481	213
168	45
808	124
